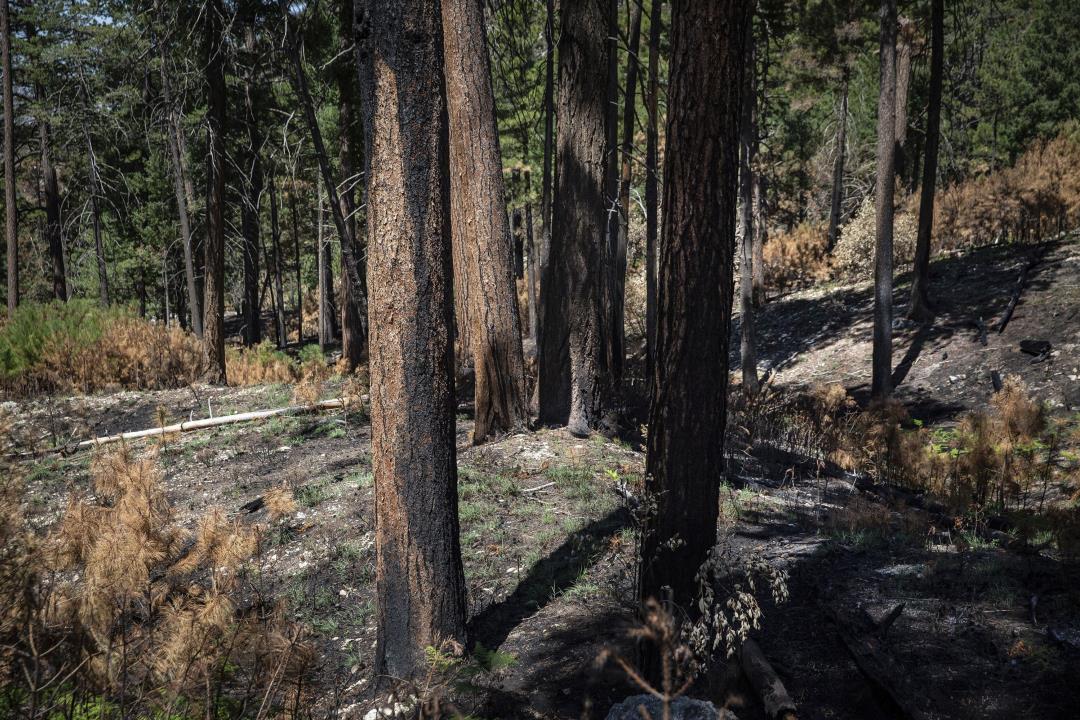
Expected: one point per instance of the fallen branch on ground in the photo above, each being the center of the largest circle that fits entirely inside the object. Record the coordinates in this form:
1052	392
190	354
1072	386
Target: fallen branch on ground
774	696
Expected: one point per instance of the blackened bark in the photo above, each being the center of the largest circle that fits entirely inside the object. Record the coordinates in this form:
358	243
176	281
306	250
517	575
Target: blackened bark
419	578
575	385
483	257
543	251
689	391
11	211
353	295
214	300
612	277
296	260
761	236
881	383
52	207
747	147
920	307
905	37
838	165
95	219
652	187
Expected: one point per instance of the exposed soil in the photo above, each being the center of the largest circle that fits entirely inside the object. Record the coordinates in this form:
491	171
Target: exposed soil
548	543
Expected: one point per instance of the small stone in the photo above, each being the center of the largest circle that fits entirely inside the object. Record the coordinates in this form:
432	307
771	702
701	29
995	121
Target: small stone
682	708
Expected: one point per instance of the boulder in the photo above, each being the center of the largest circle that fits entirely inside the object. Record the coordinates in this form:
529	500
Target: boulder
682	708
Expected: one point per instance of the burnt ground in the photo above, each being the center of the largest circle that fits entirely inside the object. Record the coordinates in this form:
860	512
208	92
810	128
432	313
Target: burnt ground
548	542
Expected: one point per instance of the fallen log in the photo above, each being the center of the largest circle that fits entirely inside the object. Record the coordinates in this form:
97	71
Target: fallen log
190	425
774	696
1018	288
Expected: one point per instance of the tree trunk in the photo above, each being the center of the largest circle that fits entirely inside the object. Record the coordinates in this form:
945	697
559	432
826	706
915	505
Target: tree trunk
95	218
296	261
629	125
920	307
611	276
685	457
747	145
543	251
484	257
761	235
881	384
11	210
182	189
214	300
836	207
303	93
652	187
419	579
52	207
327	313
575	386
275	244
253	186
353	295
905	36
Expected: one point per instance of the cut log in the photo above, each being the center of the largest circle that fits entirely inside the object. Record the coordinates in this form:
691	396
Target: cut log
774	696
190	425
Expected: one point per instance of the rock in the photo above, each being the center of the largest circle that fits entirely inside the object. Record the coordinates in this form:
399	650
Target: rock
1035	347
682	708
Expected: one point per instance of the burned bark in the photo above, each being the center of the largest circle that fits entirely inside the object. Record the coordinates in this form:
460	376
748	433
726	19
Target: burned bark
11	211
881	382
214	300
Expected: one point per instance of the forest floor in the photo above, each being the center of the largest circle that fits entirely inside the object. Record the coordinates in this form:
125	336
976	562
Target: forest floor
549	543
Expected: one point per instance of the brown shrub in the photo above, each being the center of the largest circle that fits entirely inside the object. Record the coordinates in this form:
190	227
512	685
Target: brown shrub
796	257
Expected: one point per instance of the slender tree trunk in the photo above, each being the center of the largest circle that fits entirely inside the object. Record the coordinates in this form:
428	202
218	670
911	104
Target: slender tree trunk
905	37
303	93
761	236
747	144
327	314
652	195
685	457
353	279
296	262
419	579
253	186
275	244
881	384
52	208
214	305
532	276
836	207
480	227
11	210
920	307
611	277
95	213
544	250
181	187
629	125
575	386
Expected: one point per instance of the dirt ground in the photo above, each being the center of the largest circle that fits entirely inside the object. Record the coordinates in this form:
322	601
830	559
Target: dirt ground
548	540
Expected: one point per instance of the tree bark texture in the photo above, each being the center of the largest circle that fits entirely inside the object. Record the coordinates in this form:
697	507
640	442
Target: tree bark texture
353	278
904	49
575	383
881	382
214	299
51	184
325	259
484	262
419	578
920	307
11	211
279	290
546	191
685	457
761	236
95	219
252	184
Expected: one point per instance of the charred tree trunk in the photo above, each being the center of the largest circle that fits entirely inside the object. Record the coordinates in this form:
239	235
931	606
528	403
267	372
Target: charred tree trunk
544	249
327	313
353	278
419	578
484	262
52	208
651	187
881	383
253	187
214	300
761	236
575	383
275	245
905	37
611	329
920	307
836	206
11	210
747	146
296	261
689	391
95	219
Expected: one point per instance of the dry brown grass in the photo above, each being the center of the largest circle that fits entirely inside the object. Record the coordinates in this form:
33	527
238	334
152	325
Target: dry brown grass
796	257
